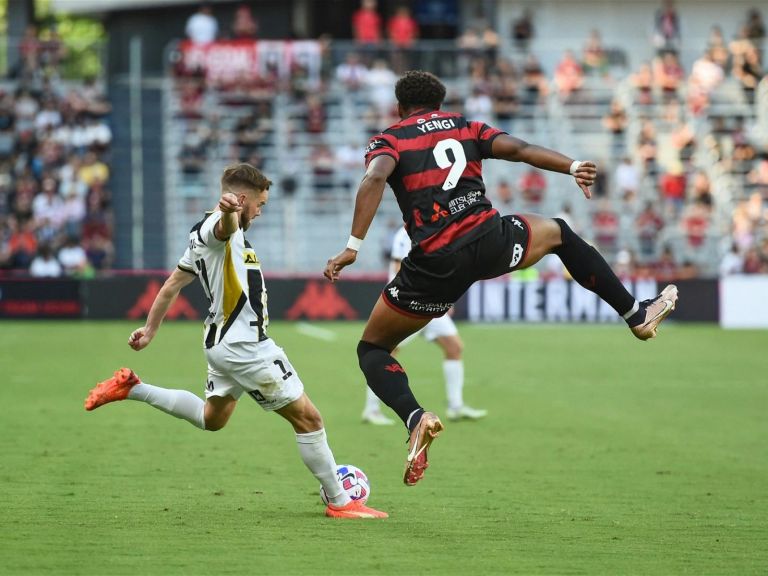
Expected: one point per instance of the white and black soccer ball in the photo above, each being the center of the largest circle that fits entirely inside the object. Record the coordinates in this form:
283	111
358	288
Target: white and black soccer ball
353	481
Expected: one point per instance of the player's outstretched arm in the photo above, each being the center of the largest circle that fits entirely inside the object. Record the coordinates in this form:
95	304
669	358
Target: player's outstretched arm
507	147
141	337
368	198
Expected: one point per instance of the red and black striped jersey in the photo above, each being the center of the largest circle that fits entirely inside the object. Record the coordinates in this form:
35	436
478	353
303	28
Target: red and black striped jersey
438	179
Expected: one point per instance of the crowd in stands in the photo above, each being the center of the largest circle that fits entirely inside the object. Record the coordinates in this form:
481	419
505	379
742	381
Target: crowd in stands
657	182
661	181
55	202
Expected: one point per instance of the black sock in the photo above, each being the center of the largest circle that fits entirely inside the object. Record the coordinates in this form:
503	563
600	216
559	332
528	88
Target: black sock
387	379
590	270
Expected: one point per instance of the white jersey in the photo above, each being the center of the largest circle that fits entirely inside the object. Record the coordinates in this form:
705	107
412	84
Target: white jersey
401	247
231	277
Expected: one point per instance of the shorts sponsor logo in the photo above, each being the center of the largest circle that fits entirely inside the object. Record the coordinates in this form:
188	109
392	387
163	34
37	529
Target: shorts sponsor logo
394	292
517	223
430	307
517	255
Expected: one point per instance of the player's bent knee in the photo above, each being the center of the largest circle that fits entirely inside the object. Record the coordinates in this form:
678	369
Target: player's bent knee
214	425
364	351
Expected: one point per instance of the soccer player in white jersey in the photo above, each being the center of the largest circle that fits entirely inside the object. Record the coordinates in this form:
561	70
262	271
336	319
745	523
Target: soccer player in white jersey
442	331
241	357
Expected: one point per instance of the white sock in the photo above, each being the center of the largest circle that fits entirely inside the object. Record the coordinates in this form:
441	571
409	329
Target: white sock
371	401
179	403
317	456
453	370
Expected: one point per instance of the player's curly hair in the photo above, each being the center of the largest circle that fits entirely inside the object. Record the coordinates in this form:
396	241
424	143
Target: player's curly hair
419	89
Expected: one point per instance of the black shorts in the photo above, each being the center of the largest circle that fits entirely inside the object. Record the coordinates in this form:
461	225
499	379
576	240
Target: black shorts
428	286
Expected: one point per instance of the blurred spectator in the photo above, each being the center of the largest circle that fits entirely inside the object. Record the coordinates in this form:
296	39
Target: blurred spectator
352	72
569	76
45	265
504	196
73	258
315	117
22	243
605	226
323	167
535	84
522	30
701	190
626	264
758	177
755	26
695	224
202	27
706	74
753	264
616	122
48	204
93	169
666	33
478	106
29	50
748	70
379	81
668	75
244	25
506	102
717	48
642	81
532	186
402	29
627	178
594	58
366	23
648	225
666	268
732	262
683	140
672	184
647	147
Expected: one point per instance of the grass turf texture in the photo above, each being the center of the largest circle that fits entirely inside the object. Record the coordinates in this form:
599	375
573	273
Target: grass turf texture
601	455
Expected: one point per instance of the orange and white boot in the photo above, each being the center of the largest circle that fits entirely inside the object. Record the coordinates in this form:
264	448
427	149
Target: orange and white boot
112	389
354	509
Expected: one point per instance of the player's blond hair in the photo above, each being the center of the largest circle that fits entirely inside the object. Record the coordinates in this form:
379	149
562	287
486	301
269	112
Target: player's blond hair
243	174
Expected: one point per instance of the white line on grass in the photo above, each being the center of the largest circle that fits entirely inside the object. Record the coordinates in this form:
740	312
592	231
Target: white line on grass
316	332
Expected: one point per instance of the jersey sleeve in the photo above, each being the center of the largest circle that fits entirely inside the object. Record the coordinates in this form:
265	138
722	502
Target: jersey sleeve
401	245
205	232
381	144
185	262
485	135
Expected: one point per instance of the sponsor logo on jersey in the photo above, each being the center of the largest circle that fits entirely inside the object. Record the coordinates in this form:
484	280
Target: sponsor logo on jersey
517	255
372	145
438	212
249	257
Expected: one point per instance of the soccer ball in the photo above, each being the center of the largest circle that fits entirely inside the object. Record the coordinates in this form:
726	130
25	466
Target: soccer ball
353	480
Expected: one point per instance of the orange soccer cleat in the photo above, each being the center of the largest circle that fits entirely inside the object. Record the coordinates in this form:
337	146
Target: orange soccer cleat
112	389
354	509
428	428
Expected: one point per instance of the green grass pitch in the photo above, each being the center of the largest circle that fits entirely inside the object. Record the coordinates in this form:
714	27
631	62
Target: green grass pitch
601	455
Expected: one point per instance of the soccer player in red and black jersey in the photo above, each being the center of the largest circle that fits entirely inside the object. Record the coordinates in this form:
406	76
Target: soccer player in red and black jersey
433	162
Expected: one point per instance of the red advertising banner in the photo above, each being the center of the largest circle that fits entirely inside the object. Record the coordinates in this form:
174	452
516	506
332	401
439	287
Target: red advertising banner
231	60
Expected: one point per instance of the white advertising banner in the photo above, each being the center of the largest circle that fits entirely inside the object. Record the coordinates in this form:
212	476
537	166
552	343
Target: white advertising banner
744	301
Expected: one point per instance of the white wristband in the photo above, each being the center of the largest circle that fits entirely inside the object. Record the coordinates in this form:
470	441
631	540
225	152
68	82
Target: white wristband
354	243
574	166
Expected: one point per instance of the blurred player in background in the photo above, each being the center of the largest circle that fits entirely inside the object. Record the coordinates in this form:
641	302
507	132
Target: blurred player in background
433	162
241	357
442	331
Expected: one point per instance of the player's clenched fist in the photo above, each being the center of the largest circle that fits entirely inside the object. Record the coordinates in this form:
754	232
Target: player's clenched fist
229	203
139	339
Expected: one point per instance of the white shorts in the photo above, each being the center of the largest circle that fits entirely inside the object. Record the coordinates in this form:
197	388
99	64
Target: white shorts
437	327
261	369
